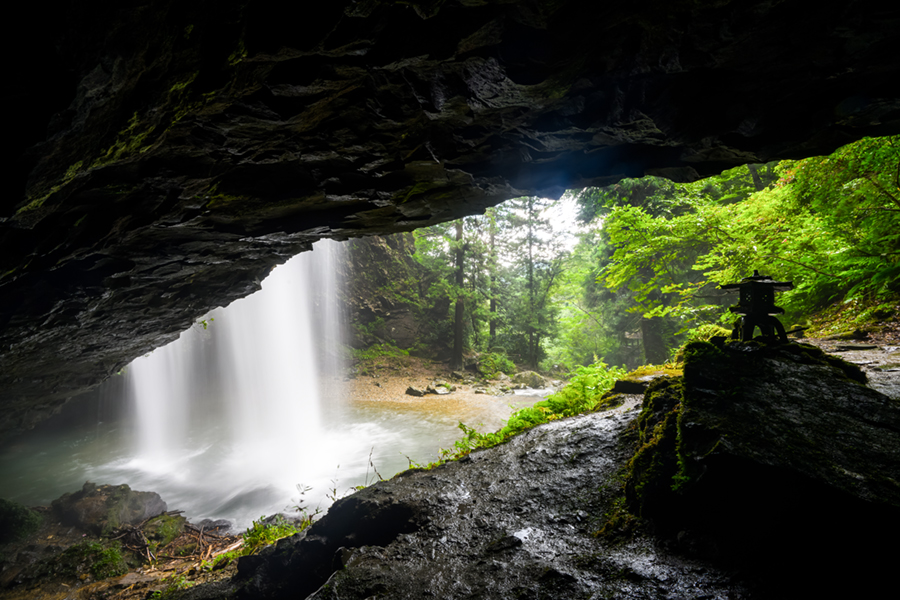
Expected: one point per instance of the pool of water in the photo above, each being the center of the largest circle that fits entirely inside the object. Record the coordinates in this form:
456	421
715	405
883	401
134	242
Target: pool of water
211	477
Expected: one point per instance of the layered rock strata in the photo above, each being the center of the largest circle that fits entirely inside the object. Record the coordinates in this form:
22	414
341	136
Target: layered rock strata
167	155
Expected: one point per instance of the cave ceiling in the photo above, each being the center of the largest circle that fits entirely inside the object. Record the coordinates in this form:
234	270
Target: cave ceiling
162	156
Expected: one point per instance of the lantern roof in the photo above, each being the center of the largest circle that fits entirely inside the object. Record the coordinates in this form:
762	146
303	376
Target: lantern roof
760	280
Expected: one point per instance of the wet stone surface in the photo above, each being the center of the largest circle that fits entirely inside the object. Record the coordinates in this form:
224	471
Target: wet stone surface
516	520
879	361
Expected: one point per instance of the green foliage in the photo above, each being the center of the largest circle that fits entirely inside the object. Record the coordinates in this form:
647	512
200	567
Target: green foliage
831	225
583	391
581	395
377	351
262	534
108	562
101	561
492	364
17	521
511	266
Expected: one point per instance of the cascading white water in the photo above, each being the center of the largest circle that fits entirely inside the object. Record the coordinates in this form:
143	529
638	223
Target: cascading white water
229	419
270	368
233	411
161	382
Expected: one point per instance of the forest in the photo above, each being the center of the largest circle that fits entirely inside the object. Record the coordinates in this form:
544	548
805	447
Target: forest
639	271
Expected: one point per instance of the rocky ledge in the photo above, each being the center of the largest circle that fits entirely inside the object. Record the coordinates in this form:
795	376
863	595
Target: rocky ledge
765	472
166	155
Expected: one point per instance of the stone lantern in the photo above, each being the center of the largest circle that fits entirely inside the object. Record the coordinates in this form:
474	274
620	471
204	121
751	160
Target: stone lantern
757	306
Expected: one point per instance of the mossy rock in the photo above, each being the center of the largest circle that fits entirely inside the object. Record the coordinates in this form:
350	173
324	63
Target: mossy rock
103	509
638	380
17	521
89	558
651	470
530	379
163	529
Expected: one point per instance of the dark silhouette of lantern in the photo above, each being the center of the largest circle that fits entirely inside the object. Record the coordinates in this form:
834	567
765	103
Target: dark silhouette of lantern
757	306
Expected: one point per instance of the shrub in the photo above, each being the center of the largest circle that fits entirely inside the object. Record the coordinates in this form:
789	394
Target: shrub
16	521
494	363
262	534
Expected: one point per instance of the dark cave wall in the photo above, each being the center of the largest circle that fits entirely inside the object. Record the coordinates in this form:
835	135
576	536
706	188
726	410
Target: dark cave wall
170	154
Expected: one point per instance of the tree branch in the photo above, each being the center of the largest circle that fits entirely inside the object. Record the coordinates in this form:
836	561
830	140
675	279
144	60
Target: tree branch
796	262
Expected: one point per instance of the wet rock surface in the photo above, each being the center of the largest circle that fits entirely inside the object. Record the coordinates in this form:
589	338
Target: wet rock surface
517	520
764	472
880	361
166	156
775	458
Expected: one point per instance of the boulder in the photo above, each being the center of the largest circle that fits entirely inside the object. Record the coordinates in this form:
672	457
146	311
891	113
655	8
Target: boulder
168	156
530	379
103	509
776	457
764	472
514	521
441	388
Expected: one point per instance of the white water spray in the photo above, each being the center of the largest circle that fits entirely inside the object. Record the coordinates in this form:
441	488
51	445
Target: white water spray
232	413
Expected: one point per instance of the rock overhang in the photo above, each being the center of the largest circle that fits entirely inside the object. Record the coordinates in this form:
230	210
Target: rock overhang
188	149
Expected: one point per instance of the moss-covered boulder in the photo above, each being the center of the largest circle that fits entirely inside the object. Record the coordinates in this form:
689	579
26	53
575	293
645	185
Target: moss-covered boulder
774	457
530	379
654	464
790	407
162	529
103	509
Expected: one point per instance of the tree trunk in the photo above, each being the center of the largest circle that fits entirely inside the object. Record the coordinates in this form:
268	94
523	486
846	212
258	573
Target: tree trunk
456	359
532	330
757	182
492	281
655	351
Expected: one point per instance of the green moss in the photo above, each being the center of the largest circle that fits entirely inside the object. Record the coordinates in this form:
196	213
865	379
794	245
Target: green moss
17	521
130	141
38	202
609	402
163	529
650	472
219	201
181	85
261	534
418	189
646	370
239	54
701	352
101	561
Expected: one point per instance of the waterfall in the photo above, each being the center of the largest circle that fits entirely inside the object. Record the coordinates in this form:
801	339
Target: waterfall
230	413
229	419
